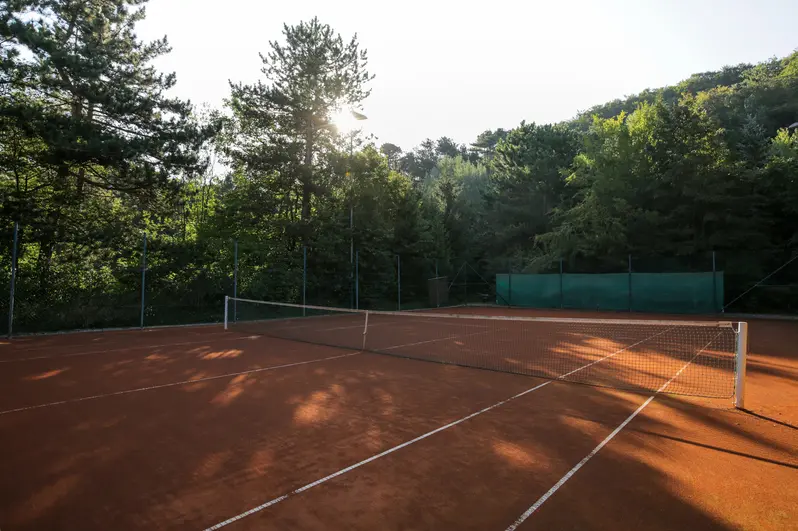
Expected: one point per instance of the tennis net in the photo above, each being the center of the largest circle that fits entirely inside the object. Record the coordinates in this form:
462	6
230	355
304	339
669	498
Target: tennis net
700	358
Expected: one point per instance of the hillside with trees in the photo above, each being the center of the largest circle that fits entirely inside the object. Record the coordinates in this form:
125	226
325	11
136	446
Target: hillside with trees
95	155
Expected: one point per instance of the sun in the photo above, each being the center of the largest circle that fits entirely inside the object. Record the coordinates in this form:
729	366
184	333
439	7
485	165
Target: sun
347	120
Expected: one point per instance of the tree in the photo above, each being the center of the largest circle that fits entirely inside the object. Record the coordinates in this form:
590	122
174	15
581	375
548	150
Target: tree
458	188
486	142
529	183
446	147
421	161
90	146
282	127
392	152
659	181
76	79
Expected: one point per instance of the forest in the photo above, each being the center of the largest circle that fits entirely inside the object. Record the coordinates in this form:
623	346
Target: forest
120	191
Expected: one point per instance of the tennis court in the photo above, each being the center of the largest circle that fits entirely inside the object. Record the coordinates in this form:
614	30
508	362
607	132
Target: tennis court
295	417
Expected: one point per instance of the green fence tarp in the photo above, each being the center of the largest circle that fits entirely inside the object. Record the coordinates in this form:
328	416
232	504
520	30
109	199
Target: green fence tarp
677	292
596	292
535	291
650	292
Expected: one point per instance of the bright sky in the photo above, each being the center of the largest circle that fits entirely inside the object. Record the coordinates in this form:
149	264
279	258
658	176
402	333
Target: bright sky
457	68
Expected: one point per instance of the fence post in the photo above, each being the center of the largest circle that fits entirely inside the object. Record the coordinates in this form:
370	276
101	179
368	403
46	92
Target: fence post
235	280
714	285
630	282
399	282
304	277
143	279
509	288
465	285
561	297
357	280
13	280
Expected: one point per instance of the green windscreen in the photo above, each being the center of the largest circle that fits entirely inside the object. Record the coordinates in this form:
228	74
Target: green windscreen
677	292
596	292
642	292
535	291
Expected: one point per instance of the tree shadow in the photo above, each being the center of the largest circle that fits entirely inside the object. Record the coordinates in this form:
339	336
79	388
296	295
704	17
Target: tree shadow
769	419
719	449
194	454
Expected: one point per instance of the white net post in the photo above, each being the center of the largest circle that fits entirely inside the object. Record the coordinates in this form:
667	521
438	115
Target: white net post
741	355
226	301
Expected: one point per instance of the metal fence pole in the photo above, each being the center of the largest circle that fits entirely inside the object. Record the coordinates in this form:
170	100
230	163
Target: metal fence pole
714	285
235	280
304	277
630	282
399	282
465	285
509	288
143	279
561	295
13	280
357	280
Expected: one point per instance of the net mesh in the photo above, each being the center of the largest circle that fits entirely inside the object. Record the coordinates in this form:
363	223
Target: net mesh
626	354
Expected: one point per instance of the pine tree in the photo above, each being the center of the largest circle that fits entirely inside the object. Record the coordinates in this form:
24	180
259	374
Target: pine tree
282	127
75	77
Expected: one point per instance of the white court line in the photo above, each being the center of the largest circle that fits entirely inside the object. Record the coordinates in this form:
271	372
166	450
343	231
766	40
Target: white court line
408	443
601	445
365	461
428	341
184	382
103	351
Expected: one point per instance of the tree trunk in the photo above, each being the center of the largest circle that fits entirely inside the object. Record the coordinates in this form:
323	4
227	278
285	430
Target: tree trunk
308	176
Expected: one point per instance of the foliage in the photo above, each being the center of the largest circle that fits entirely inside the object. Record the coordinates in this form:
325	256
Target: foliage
282	128
94	155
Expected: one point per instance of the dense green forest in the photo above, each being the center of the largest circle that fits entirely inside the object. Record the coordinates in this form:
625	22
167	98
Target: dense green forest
95	156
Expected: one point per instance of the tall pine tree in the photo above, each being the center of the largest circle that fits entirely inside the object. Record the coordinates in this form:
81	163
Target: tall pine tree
281	127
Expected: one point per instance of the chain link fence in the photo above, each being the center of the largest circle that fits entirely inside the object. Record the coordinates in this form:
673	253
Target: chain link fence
170	280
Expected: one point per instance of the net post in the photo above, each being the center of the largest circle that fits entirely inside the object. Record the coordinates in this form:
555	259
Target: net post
365	330
226	300
741	356
235	281
12	285
304	277
143	280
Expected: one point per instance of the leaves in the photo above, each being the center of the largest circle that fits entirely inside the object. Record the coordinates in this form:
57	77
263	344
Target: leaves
93	154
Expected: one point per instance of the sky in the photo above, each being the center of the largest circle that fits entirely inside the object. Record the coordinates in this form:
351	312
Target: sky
457	68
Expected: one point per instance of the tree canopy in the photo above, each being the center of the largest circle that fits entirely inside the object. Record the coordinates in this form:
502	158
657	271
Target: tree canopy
94	154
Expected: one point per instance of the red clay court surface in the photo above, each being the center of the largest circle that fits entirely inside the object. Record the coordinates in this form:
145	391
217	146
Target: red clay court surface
189	428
